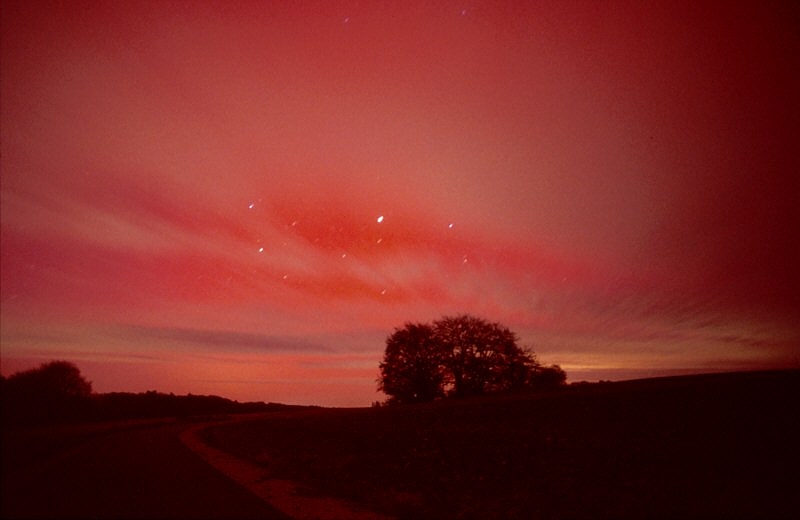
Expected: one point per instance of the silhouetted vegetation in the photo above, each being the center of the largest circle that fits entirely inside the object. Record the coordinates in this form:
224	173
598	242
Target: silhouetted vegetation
125	405
459	356
56	392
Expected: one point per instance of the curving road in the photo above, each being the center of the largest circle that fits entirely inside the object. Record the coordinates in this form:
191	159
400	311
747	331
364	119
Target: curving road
138	473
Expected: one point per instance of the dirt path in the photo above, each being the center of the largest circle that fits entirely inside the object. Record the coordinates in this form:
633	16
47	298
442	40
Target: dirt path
282	494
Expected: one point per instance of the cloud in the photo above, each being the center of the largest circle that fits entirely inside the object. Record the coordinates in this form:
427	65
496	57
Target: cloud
217	340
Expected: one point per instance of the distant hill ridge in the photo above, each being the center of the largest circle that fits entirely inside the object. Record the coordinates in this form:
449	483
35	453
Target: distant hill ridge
57	392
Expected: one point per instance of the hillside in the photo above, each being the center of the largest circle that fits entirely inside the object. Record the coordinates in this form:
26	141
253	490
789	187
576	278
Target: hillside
707	446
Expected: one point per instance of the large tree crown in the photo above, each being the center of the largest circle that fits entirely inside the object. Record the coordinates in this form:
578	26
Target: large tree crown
460	356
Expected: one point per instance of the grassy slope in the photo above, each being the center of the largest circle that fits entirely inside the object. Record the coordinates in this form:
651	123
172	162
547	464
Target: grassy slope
709	446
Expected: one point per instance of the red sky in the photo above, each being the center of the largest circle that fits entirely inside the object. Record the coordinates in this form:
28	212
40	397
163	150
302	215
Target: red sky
246	198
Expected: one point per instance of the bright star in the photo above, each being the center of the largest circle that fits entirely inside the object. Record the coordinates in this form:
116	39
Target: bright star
380	219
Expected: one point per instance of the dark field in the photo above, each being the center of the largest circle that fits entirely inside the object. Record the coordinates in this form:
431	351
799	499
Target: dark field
711	446
134	470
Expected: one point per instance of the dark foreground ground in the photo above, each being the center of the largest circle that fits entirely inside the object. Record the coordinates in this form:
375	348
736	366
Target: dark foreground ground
711	446
136	470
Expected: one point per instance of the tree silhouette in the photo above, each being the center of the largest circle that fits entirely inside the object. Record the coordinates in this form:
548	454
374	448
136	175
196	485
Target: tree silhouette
412	366
54	390
547	377
459	356
481	356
